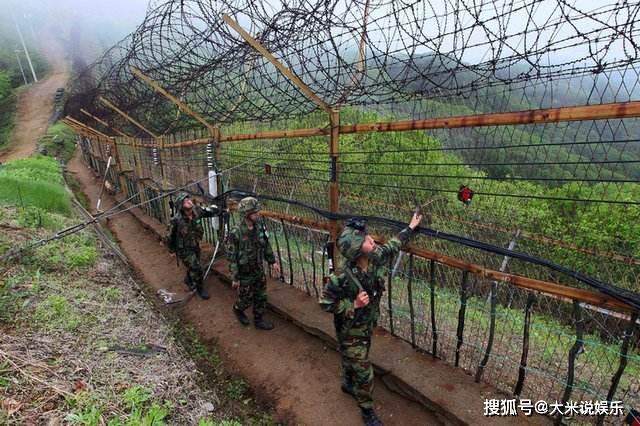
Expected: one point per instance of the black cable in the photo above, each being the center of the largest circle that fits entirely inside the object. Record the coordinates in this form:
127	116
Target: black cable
633	299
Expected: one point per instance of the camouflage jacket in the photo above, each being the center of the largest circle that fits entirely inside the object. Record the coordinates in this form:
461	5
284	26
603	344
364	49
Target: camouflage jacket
184	234
340	292
247	249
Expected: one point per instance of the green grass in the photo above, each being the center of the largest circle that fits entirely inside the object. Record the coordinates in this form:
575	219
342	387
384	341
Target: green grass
34	182
58	142
7	118
111	294
11	297
75	251
139	409
35	217
206	422
196	348
56	312
236	388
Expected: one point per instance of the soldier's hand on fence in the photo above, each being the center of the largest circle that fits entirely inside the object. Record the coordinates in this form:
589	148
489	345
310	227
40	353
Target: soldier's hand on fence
362	300
235	285
415	221
275	269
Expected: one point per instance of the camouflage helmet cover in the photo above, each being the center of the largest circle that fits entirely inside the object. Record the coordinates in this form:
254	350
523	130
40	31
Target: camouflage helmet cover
180	199
248	205
350	242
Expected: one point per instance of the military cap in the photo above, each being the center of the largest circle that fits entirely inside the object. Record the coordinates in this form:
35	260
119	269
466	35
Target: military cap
248	205
180	199
350	242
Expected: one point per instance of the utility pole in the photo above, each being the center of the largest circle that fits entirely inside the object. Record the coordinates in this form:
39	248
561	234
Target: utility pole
24	46
20	65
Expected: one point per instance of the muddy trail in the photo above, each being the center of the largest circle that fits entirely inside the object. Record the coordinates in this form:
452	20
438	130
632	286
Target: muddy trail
295	372
35	104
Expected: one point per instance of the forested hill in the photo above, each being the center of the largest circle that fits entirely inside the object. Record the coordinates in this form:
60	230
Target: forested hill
601	150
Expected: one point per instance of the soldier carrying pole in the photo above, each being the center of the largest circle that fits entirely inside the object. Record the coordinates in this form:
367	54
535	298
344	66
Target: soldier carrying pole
184	237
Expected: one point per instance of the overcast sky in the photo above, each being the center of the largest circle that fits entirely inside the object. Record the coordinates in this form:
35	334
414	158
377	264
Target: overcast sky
105	18
110	20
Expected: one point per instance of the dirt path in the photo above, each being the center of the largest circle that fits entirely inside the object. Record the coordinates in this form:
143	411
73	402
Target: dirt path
286	366
35	105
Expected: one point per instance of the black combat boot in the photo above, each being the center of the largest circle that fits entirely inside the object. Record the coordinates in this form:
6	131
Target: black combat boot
262	323
241	316
188	282
202	292
369	417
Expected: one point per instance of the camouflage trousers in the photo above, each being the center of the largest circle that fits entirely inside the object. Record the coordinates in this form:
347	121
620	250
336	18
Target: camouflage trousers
191	259
357	372
253	291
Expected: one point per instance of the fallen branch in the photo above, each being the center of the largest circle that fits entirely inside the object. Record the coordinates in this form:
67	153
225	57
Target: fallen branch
34	378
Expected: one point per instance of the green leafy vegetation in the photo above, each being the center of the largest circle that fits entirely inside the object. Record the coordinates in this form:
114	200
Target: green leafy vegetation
47	292
236	389
11	77
197	349
58	142
56	312
139	409
380	173
206	422
34	182
7	108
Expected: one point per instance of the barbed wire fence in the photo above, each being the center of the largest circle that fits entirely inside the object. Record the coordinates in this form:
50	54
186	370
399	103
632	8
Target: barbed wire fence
371	107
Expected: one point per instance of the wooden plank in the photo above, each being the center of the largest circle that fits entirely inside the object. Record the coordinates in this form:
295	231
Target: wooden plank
278	134
127	117
181	105
550	115
284	70
322	226
586	296
540	116
558	291
104	123
87	128
78	129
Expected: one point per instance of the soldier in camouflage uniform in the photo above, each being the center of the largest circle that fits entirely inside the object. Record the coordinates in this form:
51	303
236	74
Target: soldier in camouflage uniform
184	237
354	299
247	248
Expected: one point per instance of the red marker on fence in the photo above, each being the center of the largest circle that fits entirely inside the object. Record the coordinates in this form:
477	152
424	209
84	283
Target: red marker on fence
465	194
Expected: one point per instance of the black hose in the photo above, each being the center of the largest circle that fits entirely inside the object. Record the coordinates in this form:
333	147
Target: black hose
626	296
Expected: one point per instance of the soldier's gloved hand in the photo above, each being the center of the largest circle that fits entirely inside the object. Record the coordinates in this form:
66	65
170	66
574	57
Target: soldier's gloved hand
362	300
415	221
235	285
275	269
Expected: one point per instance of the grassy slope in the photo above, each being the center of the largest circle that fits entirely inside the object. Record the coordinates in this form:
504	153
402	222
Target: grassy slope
77	309
58	142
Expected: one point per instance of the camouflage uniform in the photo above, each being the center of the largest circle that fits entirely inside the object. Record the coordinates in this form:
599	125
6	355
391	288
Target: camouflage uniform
184	239
247	249
354	327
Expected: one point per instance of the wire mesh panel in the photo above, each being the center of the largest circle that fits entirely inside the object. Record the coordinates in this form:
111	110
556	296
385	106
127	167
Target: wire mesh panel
518	142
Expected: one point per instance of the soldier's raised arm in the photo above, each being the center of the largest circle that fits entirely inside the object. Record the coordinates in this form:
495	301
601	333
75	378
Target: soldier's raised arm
382	252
